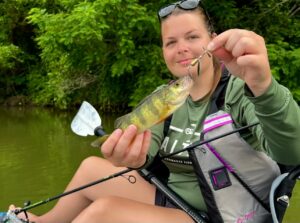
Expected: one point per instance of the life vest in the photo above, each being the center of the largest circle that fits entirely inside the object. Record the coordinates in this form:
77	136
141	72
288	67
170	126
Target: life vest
235	180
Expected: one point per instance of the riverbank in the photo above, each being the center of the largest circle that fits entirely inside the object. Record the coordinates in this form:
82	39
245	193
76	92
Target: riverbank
25	101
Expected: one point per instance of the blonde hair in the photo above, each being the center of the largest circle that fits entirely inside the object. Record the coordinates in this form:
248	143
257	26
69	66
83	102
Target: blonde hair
210	29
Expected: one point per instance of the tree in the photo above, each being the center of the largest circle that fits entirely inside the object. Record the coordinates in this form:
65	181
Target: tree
103	50
61	52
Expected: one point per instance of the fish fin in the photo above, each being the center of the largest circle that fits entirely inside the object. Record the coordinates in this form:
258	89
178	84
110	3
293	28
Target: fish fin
99	141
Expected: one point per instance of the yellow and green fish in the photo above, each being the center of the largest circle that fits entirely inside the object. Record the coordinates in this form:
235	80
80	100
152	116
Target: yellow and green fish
154	108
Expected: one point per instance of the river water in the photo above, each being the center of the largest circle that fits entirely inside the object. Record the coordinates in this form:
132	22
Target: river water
39	154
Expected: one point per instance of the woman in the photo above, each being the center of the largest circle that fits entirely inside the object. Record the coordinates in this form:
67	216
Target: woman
186	32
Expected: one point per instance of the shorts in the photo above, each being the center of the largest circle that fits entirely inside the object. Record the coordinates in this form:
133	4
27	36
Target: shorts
163	201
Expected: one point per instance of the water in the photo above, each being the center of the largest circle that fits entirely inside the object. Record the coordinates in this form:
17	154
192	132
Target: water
39	154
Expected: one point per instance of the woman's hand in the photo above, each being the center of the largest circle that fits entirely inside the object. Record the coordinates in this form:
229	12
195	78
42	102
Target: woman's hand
127	148
245	55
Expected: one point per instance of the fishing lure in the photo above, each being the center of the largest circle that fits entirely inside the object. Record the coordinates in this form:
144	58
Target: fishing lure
198	62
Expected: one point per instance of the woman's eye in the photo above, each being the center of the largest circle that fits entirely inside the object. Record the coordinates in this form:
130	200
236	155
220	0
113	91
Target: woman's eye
193	37
169	43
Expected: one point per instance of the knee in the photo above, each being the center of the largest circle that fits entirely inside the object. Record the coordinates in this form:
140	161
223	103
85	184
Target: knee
100	210
89	164
104	206
101	166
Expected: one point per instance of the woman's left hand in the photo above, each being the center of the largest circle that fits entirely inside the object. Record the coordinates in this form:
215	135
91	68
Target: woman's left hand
245	55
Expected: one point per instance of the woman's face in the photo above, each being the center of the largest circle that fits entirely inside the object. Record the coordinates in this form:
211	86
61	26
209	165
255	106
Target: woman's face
184	35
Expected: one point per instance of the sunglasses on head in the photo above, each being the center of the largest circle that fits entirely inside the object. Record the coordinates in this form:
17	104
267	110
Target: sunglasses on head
184	4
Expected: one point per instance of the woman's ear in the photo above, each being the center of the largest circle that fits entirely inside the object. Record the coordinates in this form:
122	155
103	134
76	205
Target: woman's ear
213	35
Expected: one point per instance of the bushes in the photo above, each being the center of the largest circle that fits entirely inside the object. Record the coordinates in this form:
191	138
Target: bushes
61	52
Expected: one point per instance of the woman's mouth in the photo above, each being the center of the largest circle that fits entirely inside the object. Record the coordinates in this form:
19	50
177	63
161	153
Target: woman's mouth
184	62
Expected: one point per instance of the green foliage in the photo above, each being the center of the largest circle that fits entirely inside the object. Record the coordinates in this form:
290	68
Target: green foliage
9	56
285	61
224	14
18	51
150	76
95	44
61	52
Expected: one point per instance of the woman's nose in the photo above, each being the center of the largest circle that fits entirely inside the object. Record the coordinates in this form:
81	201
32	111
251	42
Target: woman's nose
182	47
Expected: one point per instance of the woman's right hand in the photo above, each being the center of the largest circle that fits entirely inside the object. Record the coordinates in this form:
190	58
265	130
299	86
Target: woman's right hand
127	148
245	55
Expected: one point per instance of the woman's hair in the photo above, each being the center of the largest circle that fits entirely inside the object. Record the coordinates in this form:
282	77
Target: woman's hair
202	13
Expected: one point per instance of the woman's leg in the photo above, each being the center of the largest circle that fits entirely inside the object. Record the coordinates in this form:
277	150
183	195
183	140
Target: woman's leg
91	169
123	210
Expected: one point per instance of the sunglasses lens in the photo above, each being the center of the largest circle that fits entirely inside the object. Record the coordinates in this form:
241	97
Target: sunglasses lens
186	4
189	4
166	11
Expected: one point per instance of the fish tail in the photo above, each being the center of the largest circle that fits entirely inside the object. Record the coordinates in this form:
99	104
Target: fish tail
99	141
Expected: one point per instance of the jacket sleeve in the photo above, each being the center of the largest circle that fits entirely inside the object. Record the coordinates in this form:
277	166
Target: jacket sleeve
279	115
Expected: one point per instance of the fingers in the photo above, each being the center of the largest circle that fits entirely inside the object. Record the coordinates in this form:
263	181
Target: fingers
235	43
248	60
110	143
244	54
127	148
137	152
124	142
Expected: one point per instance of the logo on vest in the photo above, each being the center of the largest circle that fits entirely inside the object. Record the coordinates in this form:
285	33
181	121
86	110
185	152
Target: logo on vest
246	217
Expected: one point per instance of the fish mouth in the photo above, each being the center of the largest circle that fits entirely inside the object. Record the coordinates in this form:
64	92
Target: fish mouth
186	84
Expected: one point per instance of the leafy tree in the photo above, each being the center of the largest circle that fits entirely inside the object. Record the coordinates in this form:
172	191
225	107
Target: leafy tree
60	52
99	48
10	56
277	21
18	52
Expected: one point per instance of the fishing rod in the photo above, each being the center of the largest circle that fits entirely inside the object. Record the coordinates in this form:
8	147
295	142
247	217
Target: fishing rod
26	208
120	173
198	216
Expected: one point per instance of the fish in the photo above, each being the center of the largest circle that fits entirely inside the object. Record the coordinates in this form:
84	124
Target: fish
155	108
10	217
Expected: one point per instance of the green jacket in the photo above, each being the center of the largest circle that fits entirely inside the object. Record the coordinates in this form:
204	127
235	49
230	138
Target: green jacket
277	135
